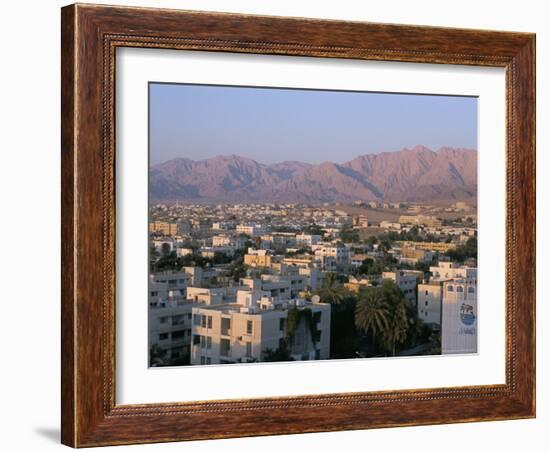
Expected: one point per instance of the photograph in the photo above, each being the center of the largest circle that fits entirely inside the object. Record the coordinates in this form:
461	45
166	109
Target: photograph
290	224
307	194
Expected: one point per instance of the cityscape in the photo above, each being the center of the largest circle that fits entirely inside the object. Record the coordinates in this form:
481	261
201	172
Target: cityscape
296	260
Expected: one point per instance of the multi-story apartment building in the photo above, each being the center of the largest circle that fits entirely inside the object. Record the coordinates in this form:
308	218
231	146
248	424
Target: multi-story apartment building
164	227
406	280
360	221
307	240
449	301
170	228
449	270
168	284
221	240
244	331
279	241
169	317
253	230
257	258
316	277
170	331
439	247
276	286
385	224
459	316
429	302
412	255
333	258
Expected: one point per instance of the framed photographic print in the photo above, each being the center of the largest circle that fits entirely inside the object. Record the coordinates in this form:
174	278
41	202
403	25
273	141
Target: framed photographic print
281	225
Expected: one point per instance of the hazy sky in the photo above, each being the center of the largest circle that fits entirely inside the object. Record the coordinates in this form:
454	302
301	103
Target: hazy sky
273	125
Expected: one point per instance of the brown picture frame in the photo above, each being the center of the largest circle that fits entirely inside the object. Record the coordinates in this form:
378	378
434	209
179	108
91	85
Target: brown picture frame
90	35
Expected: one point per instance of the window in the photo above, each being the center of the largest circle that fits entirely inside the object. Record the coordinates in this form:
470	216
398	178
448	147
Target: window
426	303
426	292
164	319
178	319
317	316
178	334
206	342
196	339
450	289
225	347
281	324
163	336
203	319
209	321
249	327
249	349
471	290
460	289
226	325
197	319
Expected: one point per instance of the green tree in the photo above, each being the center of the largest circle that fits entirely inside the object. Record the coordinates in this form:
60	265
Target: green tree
314	229
165	249
370	267
371	313
281	353
331	290
238	271
349	236
463	252
344	339
385	314
396	333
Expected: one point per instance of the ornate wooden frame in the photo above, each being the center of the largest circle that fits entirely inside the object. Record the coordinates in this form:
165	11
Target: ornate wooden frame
90	35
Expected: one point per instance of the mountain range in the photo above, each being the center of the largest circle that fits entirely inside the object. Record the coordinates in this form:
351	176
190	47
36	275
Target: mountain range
417	174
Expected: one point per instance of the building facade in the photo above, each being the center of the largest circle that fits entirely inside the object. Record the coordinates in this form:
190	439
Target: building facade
248	330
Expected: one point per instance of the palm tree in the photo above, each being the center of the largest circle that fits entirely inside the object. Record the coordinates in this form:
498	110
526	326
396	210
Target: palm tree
371	313
384	312
398	324
331	291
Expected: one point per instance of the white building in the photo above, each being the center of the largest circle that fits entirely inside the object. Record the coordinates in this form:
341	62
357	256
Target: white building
429	302
333	258
448	270
164	244
254	230
245	331
459	317
169	318
307	240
